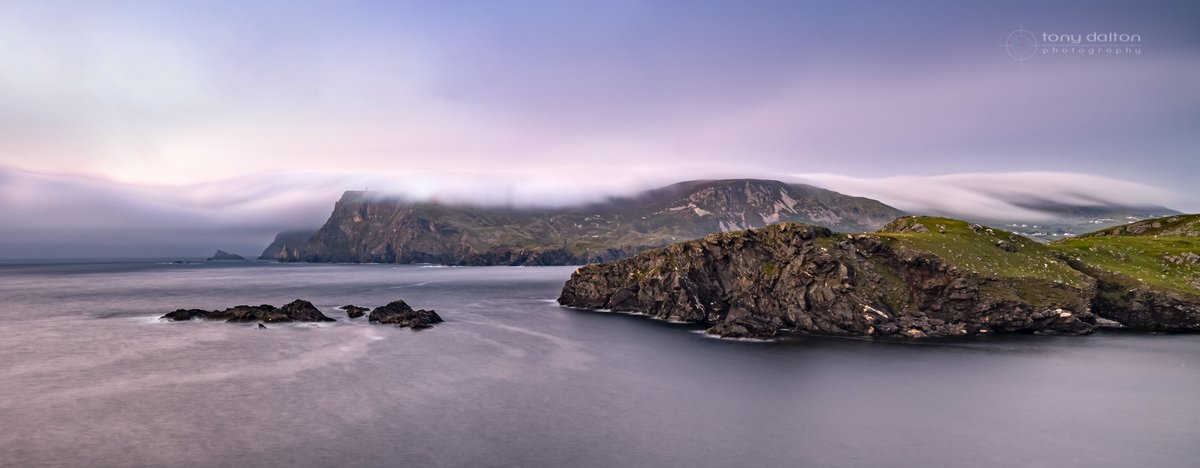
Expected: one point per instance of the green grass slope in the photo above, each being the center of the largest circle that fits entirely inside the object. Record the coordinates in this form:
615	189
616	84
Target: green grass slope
980	249
1167	226
1162	253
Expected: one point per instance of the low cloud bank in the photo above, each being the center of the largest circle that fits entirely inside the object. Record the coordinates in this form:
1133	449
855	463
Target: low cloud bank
1008	196
55	216
48	216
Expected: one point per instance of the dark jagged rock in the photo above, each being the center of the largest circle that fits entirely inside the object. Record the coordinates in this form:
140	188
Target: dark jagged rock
400	314
222	255
354	311
295	311
943	278
371	227
261	326
183	315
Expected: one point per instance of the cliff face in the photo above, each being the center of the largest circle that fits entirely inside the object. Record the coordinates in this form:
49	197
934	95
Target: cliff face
367	227
917	277
286	246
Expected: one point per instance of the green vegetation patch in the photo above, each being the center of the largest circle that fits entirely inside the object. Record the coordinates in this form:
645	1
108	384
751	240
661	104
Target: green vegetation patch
980	250
1168	226
1167	262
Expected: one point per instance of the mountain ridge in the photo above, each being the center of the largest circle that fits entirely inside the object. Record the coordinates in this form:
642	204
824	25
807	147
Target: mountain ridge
371	227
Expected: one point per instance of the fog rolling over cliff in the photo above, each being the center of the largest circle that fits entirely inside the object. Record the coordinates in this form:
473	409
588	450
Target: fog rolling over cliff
372	227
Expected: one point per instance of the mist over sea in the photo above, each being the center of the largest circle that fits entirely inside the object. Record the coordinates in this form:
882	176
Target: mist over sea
90	377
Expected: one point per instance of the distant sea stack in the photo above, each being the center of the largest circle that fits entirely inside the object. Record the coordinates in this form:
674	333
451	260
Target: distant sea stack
918	277
222	255
370	227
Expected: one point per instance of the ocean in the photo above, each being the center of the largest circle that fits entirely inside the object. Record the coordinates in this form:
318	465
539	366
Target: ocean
90	377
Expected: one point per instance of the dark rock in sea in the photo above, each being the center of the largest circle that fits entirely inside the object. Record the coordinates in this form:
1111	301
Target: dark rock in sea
296	311
261	326
905	281
222	255
399	313
354	311
182	315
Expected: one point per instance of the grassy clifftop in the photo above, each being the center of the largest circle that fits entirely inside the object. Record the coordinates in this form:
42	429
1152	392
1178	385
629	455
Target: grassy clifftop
1162	252
979	249
1168	226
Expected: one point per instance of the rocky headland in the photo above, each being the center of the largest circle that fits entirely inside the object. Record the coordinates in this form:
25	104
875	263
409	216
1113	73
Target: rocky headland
916	277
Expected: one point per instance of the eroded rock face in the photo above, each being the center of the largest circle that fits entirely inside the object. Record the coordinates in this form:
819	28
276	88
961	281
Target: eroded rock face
1138	305
399	313
759	283
1150	309
295	311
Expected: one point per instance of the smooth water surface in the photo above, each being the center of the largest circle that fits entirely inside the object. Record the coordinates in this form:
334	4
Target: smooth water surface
90	377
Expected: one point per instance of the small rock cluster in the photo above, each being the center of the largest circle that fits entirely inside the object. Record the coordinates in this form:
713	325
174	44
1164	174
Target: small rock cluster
298	310
397	313
1189	258
400	314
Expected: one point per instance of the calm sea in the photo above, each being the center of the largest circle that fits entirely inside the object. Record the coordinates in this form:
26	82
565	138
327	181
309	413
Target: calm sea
90	377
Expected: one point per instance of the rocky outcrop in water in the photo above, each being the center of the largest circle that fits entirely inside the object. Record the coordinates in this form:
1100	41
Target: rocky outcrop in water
354	311
400	314
395	313
295	311
222	255
917	278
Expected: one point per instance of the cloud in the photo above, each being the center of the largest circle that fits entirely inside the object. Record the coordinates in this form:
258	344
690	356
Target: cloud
996	196
74	216
66	215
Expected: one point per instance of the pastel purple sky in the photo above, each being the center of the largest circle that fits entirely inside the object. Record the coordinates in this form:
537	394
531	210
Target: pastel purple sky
253	117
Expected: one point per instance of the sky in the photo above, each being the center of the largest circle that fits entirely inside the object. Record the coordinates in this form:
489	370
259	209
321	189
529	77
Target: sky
177	127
